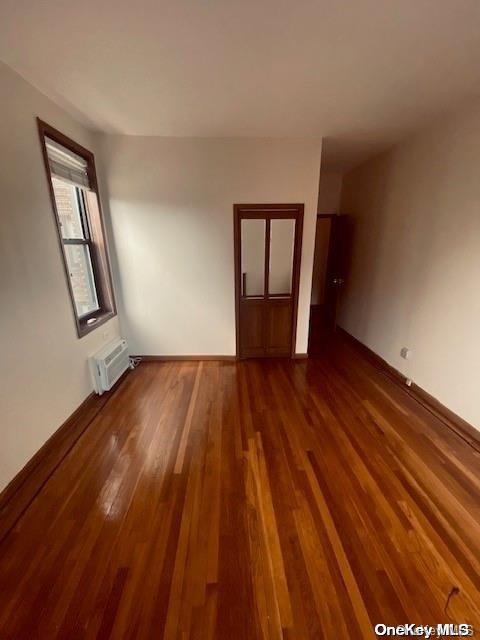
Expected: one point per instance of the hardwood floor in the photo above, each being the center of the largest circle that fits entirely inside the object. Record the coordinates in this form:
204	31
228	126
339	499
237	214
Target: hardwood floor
260	499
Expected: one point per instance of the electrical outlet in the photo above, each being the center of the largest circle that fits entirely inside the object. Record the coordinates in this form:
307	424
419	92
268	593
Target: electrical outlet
406	353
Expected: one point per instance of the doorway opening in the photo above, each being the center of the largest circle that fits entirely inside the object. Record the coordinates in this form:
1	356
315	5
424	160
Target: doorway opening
328	278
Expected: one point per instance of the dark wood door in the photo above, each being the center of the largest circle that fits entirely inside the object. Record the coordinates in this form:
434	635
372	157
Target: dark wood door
332	254
336	268
252	321
267	271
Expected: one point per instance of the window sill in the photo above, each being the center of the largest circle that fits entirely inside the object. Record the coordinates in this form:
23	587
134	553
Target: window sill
83	328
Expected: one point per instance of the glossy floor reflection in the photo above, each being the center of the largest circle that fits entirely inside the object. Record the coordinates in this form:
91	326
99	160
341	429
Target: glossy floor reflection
308	499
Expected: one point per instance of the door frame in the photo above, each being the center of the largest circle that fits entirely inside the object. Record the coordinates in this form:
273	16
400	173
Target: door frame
330	249
269	211
334	267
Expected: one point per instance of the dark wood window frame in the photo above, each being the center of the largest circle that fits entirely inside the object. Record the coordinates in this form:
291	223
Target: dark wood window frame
94	231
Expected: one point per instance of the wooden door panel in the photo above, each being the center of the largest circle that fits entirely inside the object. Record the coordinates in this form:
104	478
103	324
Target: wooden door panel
278	327
252	336
268	238
335	276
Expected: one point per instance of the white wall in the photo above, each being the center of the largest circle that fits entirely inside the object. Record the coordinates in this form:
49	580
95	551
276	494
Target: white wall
171	202
329	191
415	273
44	375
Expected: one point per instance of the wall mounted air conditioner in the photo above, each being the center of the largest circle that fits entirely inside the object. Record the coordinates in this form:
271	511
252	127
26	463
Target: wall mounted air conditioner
109	364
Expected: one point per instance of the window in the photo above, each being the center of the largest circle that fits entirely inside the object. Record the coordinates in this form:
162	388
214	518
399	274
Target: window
73	188
77	245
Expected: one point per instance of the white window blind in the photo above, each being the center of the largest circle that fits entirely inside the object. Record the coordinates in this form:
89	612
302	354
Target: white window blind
66	165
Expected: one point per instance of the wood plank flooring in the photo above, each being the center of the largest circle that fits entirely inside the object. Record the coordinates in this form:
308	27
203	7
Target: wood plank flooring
274	499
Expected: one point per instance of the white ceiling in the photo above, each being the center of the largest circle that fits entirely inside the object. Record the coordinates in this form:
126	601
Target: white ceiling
363	73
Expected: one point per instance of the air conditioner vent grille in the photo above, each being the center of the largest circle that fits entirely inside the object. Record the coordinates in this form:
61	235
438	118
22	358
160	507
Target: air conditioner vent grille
113	355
